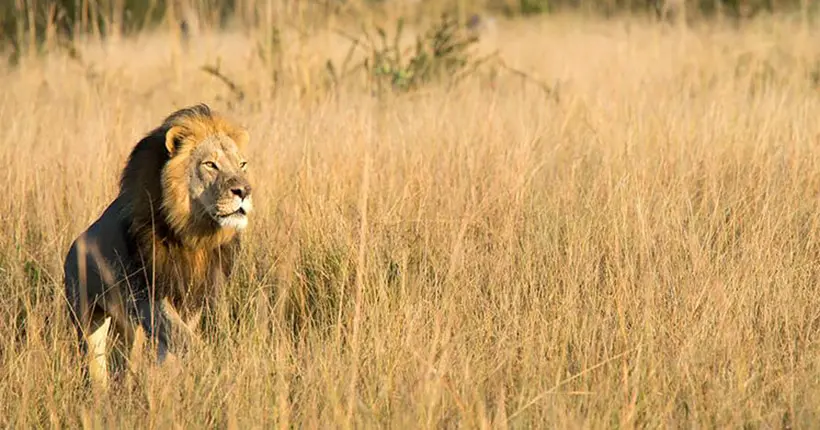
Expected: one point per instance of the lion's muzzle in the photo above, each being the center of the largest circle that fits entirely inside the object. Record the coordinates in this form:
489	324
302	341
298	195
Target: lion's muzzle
235	204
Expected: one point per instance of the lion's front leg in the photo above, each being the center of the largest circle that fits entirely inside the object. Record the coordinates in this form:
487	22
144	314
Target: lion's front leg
153	319
97	351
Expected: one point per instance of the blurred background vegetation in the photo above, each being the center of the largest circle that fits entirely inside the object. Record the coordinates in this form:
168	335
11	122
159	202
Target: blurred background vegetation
32	24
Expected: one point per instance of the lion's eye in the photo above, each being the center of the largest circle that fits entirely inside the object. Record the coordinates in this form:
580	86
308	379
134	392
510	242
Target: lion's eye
243	164
210	165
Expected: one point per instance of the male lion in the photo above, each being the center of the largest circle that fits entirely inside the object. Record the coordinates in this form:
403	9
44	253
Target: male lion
170	236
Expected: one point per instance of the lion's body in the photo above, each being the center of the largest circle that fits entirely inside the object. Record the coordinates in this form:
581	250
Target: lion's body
167	237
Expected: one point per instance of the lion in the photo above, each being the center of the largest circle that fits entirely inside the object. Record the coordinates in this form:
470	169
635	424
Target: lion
168	241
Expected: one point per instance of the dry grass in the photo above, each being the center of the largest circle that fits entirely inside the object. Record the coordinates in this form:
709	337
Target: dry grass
641	253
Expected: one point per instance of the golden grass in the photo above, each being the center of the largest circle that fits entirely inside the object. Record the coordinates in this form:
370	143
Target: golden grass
641	253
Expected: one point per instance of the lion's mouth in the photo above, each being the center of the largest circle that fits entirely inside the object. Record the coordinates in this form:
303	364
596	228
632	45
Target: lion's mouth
239	212
237	218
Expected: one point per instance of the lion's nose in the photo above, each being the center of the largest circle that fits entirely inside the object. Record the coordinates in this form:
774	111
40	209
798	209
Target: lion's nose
241	192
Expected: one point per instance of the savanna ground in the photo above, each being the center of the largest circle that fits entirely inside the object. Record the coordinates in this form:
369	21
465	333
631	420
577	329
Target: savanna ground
638	248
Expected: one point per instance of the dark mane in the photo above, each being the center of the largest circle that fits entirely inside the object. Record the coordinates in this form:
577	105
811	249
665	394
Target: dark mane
184	258
141	184
150	153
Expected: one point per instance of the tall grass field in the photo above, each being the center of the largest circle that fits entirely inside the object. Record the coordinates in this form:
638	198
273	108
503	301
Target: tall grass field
606	224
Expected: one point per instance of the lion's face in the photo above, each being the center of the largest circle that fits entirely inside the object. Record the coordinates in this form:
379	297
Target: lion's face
218	182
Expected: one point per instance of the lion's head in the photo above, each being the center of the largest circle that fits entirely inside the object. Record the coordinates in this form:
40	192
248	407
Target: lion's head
218	186
194	174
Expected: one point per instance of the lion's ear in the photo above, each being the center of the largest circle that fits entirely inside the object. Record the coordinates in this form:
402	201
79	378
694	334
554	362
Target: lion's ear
172	138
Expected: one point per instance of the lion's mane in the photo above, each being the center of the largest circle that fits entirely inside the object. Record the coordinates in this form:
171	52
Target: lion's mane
180	247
